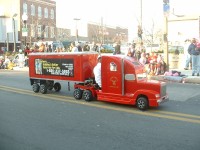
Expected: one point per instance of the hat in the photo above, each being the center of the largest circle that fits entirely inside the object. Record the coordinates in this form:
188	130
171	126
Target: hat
99	57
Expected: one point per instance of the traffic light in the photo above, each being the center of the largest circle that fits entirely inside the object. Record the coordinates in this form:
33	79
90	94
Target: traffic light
165	1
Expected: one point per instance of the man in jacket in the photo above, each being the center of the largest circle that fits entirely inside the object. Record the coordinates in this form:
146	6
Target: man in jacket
192	50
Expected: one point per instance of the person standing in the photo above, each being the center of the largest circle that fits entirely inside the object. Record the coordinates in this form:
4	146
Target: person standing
95	47
131	51
195	57
86	47
117	48
186	54
198	50
73	47
79	47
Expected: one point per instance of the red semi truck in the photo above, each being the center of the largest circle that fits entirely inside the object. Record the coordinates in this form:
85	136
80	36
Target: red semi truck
126	83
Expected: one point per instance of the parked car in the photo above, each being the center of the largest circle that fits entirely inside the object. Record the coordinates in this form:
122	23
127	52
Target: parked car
107	48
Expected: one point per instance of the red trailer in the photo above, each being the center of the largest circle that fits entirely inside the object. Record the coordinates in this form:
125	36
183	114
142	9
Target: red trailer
125	84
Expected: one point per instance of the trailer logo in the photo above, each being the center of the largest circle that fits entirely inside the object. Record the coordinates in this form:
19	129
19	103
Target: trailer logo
63	67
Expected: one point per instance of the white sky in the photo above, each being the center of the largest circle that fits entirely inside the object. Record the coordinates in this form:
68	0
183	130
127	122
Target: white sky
125	13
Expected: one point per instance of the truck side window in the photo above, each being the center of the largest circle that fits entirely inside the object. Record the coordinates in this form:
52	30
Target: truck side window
113	66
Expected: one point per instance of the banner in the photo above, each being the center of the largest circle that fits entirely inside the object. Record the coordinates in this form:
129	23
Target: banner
60	67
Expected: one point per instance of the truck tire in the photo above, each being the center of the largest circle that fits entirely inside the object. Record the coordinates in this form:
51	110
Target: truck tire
78	93
87	95
36	88
50	84
57	87
43	88
142	103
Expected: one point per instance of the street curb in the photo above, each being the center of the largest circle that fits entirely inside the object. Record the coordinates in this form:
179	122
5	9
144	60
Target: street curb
21	69
176	79
194	80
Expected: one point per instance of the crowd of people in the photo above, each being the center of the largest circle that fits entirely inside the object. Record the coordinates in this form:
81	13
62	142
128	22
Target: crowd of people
154	63
18	60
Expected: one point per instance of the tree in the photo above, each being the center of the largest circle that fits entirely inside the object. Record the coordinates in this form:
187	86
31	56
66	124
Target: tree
153	35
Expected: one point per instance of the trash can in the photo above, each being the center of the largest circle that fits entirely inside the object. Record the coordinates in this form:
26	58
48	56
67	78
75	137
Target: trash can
173	61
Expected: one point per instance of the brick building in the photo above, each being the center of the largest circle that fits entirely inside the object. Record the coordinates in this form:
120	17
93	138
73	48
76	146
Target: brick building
39	22
106	34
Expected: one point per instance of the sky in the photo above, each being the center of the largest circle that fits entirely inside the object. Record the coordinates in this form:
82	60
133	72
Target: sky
124	13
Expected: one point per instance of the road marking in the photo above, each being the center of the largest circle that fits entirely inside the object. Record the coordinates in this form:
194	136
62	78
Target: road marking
152	113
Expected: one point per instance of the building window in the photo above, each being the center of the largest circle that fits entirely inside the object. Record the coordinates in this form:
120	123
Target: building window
32	30
39	30
46	32
52	32
39	12
32	10
45	13
25	8
52	14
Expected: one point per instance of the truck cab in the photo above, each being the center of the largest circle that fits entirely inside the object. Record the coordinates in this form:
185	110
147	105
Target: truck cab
124	81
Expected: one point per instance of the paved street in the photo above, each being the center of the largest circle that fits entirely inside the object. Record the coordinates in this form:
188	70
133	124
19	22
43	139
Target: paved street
58	121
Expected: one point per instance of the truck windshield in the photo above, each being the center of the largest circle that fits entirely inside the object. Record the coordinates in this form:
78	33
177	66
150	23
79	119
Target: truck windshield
141	76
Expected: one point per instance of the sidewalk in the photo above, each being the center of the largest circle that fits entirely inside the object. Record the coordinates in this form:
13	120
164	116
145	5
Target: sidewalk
21	69
185	77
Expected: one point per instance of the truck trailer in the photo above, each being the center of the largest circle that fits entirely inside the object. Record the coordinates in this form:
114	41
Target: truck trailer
123	78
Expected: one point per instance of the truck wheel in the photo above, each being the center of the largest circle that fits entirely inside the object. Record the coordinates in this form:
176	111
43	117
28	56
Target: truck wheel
50	84
36	87
142	103
43	89
87	95
78	93
57	87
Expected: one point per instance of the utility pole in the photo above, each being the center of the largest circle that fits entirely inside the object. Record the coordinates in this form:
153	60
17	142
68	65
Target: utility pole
7	35
166	9
76	19
14	32
102	31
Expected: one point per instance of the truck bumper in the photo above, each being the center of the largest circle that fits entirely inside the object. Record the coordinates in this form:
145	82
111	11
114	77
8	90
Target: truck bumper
163	99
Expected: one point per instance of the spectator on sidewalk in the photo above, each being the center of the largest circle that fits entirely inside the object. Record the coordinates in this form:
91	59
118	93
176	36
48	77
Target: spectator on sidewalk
86	47
193	51
117	48
131	50
73	47
161	65
143	59
152	63
79	47
186	54
94	47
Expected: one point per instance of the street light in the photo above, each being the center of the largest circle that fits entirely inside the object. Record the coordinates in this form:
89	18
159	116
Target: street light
77	19
24	29
14	34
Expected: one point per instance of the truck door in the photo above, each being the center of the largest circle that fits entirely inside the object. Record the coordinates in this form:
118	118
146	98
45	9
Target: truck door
111	75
